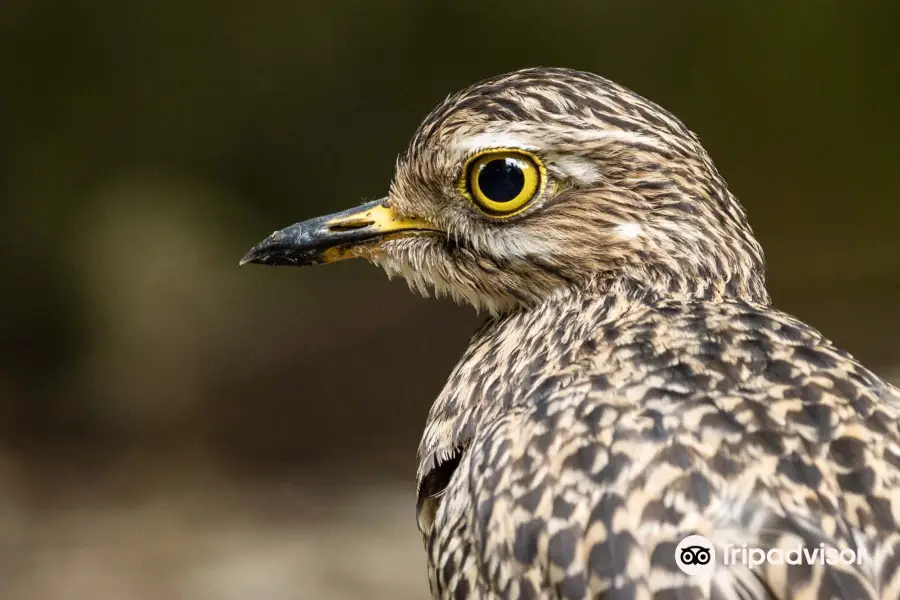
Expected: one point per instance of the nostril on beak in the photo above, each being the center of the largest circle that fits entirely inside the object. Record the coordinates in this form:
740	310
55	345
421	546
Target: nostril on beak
350	225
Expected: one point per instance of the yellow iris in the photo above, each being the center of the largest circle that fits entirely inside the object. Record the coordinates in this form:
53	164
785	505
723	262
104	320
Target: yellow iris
502	182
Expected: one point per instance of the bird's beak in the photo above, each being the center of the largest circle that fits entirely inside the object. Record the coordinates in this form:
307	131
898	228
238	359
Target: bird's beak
352	233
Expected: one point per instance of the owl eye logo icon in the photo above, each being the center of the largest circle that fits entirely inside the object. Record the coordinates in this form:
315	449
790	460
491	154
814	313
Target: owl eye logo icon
695	555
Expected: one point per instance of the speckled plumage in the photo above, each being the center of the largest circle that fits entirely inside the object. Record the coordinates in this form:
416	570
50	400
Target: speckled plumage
632	385
584	436
597	446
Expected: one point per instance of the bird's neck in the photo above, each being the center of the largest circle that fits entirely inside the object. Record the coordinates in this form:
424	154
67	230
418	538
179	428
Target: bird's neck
501	357
644	285
505	355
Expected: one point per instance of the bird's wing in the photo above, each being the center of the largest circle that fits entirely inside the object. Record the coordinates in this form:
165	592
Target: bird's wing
584	494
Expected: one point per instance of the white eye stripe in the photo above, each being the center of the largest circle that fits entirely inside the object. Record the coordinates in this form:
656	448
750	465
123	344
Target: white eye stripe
528	141
485	141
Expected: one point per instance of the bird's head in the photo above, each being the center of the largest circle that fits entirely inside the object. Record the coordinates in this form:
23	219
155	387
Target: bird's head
539	181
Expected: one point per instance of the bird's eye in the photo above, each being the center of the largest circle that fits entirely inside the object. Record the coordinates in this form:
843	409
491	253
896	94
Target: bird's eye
503	183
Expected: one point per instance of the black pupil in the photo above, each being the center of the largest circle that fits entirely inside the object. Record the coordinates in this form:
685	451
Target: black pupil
501	180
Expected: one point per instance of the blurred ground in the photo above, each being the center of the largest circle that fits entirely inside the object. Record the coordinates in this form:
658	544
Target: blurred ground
172	426
205	538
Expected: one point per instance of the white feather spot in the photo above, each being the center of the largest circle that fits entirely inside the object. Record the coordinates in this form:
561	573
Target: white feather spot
580	169
514	245
629	231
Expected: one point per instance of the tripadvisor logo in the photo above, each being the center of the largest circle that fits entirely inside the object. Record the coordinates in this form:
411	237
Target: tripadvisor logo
696	555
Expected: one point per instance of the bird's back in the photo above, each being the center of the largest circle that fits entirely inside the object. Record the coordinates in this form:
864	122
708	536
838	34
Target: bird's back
589	437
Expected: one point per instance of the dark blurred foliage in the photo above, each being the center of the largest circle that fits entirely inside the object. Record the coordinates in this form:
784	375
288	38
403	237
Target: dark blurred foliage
146	145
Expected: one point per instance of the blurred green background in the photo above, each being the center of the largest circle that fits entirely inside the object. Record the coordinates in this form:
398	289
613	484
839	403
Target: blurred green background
172	426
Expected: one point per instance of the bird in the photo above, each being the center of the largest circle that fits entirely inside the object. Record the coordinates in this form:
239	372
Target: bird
631	385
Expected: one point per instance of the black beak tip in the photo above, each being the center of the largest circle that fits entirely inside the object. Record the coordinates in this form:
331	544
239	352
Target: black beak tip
247	258
280	249
264	253
258	254
273	257
274	250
